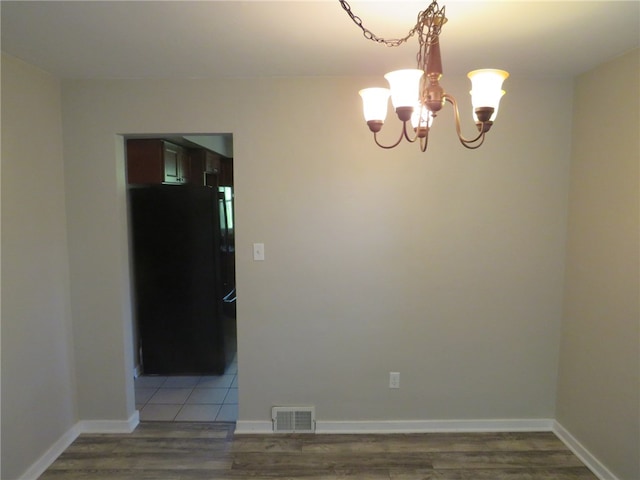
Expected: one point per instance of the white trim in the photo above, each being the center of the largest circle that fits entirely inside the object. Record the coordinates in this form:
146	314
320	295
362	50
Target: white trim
40	465
592	463
410	426
110	426
83	426
253	426
433	426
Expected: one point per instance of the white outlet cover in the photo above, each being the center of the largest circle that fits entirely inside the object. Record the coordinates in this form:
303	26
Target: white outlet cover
258	251
394	379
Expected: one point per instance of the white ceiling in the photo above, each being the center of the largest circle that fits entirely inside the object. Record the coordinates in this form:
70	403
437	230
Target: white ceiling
186	39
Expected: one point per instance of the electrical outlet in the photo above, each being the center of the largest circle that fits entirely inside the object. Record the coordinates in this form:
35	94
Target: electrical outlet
394	379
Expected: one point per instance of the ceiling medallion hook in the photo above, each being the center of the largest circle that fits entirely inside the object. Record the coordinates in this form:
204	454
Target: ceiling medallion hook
416	94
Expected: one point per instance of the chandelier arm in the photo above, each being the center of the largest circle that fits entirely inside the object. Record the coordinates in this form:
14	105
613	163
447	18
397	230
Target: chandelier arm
402	135
406	133
424	142
468	143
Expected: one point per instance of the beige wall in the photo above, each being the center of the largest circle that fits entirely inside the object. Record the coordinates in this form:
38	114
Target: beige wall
446	266
599	379
38	395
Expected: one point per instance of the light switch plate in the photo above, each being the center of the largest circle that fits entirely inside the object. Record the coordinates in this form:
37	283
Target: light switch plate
258	251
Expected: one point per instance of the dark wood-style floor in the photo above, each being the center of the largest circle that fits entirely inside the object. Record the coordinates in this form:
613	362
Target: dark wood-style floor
189	451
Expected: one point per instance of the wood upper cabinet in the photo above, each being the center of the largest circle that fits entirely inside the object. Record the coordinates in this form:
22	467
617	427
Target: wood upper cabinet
205	167
154	161
176	164
226	172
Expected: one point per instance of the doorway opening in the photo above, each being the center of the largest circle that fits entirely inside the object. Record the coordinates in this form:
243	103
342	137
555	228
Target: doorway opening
181	218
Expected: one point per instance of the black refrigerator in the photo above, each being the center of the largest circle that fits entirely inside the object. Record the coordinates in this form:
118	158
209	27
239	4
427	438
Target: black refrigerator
175	237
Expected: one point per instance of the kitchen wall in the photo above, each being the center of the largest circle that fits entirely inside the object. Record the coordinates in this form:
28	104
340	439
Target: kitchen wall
38	391
599	384
446	266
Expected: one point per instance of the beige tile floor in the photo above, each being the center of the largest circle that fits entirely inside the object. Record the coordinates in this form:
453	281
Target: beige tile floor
188	398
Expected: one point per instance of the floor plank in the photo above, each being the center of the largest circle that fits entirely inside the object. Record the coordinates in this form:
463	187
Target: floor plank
196	451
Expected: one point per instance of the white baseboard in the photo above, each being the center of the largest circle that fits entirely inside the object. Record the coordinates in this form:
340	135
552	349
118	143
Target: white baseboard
39	467
110	426
253	426
436	426
592	463
83	426
409	426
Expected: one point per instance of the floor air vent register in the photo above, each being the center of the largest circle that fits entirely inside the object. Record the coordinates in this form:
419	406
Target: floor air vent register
293	419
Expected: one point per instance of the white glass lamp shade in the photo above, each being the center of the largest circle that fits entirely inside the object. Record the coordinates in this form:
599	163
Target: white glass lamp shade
405	86
421	117
374	103
486	89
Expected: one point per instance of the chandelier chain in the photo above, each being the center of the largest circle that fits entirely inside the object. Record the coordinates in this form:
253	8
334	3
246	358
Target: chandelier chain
430	22
428	27
369	35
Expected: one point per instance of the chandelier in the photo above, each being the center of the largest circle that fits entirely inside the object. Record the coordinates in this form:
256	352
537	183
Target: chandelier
416	94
